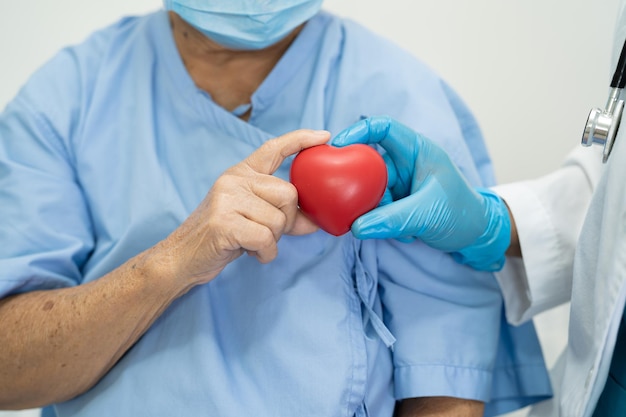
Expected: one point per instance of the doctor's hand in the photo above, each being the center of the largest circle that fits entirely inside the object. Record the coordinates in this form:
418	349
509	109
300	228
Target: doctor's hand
427	198
246	211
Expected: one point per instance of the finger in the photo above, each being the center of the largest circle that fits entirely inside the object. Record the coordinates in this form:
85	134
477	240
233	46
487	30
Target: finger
272	153
401	144
356	133
266	214
367	131
302	225
397	139
281	195
399	220
257	240
284	197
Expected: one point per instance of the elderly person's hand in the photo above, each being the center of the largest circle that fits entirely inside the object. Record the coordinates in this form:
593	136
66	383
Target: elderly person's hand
247	210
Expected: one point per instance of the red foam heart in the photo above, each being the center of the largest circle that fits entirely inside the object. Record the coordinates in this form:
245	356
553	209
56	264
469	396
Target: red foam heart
337	185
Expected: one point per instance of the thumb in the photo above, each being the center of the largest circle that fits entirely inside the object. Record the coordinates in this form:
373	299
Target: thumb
394	220
267	158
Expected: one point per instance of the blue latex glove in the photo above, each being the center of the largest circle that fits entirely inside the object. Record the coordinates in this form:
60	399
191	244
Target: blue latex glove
428	198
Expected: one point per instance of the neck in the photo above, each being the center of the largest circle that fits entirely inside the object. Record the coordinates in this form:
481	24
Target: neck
229	76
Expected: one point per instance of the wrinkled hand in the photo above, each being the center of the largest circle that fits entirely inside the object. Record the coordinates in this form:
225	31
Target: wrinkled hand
246	210
429	199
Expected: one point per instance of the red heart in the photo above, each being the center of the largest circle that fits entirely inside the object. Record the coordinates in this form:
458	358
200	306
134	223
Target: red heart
337	185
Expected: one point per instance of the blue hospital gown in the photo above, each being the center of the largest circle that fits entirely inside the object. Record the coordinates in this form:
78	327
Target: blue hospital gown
110	146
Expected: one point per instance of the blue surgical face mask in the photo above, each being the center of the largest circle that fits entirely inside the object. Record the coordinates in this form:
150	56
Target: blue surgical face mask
245	24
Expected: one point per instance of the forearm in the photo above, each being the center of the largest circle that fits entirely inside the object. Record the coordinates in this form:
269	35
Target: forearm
57	344
439	407
548	213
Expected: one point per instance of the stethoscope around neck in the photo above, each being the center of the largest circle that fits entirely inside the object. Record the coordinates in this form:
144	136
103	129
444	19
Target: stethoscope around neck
602	125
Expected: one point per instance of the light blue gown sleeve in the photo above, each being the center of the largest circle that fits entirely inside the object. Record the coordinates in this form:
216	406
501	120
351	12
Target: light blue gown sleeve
519	376
447	319
470	130
42	204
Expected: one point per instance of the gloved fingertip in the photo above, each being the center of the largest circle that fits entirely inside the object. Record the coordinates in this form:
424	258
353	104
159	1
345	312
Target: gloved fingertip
356	133
362	226
373	225
358	232
339	139
377	231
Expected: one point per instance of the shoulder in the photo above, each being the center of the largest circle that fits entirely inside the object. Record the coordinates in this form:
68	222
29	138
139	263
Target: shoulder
58	91
370	63
74	64
376	52
375	76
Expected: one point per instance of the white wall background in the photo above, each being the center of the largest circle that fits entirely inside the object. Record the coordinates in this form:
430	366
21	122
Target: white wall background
529	69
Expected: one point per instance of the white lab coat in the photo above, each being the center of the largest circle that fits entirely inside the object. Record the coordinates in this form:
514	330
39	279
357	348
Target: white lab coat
549	213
